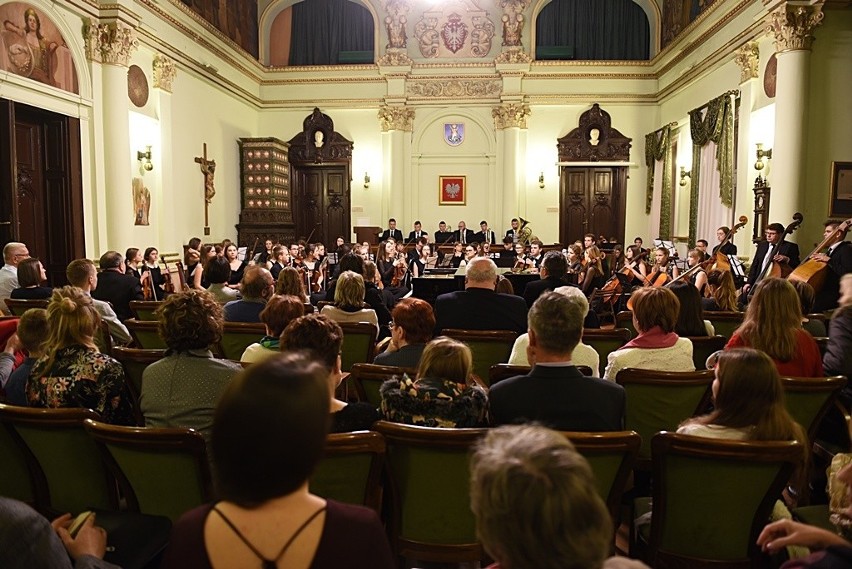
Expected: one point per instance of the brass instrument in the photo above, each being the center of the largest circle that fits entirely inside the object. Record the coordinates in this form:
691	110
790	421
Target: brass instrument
525	232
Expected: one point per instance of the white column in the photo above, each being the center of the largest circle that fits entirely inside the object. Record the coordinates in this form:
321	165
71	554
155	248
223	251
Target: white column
172	234
117	158
748	60
397	124
510	119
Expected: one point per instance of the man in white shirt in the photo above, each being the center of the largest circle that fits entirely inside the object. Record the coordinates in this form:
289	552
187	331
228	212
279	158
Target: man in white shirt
82	274
13	253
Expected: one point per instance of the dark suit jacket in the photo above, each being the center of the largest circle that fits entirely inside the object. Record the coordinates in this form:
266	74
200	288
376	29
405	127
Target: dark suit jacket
560	398
728	249
442	237
535	289
470	236
511	233
387	234
482	237
839	263
480	309
785	248
119	290
412	235
406	356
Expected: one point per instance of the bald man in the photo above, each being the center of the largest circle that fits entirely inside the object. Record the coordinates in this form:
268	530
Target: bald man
13	254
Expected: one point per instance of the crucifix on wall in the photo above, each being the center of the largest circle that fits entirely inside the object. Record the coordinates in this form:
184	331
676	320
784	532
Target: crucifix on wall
208	168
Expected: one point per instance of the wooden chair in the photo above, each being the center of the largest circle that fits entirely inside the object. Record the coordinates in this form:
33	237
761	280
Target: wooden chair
810	398
489	347
359	343
15	479
822	343
18	307
624	319
703	346
103	339
134	361
144	309
429	470
163	472
145	334
499	372
606	341
724	323
612	457
65	465
237	336
368	378
712	498
351	470
660	401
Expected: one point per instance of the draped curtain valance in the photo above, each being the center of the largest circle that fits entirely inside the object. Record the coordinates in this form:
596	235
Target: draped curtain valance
658	147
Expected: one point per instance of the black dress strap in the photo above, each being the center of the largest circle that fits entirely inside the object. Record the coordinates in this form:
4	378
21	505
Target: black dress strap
268	563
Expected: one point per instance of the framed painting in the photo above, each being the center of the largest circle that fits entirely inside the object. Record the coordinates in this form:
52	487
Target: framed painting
452	190
841	190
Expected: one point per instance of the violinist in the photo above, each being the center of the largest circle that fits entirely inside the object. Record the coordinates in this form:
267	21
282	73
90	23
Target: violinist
153	274
470	251
838	258
635	266
728	248
208	252
294	254
592	275
457	257
425	260
133	257
664	270
618	258
279	259
694	258
238	267
574	256
193	269
387	264
536	255
773	249
265	255
313	268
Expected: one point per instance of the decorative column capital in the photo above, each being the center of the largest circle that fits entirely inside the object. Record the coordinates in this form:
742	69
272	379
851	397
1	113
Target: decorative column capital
793	25
165	71
511	115
112	42
748	58
396	118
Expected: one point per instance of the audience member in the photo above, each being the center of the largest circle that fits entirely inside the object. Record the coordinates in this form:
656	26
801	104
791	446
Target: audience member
31	277
504	285
349	301
657	346
322	337
838	352
257	286
116	287
838	262
72	373
33	331
814	327
278	313
411	329
181	390
290	283
552	273
690	322
273	418
13	254
554	392
380	300
82	274
216	273
723	292
773	324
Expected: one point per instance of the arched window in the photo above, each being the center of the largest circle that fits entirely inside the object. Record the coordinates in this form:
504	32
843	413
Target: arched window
592	29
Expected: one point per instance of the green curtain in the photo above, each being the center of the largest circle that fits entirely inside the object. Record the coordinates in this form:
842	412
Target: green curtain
658	146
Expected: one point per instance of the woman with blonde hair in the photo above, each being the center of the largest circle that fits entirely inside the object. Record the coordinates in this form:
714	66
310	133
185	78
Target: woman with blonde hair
289	282
72	372
723	292
349	301
773	324
444	393
693	259
592	275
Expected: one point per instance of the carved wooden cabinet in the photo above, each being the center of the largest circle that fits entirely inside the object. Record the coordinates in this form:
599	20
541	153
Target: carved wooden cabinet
265	199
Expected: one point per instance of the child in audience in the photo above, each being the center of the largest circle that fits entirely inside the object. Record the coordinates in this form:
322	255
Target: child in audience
32	334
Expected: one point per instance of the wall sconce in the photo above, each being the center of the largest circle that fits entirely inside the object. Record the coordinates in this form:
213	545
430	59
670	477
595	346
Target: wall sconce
541	180
761	154
145	159
366	180
683	176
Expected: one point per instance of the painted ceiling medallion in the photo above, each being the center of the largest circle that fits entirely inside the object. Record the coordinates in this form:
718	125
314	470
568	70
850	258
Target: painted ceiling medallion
137	86
454	33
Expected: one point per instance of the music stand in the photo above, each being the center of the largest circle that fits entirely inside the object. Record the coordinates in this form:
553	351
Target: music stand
737	267
667	244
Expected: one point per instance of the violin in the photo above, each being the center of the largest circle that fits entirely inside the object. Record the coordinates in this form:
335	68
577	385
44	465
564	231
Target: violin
318	276
168	284
181	275
629	267
147	291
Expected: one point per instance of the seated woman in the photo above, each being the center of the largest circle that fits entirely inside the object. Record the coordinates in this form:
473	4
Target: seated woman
389	264
72	372
773	324
634	266
689	319
349	301
216	273
413	322
593	274
574	256
290	282
663	270
152	273
279	311
471	250
814	327
133	260
657	346
236	266
194	269
443	394
31	275
265	520
694	258
181	390
723	292
457	256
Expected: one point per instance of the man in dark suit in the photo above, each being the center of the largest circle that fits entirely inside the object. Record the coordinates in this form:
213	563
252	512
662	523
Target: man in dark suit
115	287
515	231
479	307
463	234
839	261
535	253
417	233
554	392
552	273
443	235
485	235
391	232
772	249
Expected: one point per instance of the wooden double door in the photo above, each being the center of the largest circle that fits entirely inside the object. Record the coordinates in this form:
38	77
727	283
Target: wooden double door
321	202
592	200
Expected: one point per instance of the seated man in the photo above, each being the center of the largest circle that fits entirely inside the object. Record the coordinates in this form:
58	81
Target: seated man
13	254
554	267
116	287
258	286
555	393
82	274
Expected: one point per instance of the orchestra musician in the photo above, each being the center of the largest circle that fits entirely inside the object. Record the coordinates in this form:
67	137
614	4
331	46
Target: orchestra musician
238	267
464	235
593	275
772	249
425	260
485	235
153	274
417	233
515	231
664	269
280	258
387	263
838	258
391	232
133	257
728	248
694	258
635	266
443	235
536	255
574	256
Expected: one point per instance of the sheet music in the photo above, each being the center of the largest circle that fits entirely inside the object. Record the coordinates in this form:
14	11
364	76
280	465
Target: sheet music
242	252
667	244
737	267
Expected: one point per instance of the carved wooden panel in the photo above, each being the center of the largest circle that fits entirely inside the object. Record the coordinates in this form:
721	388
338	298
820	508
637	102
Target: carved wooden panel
592	201
29	191
265	195
594	140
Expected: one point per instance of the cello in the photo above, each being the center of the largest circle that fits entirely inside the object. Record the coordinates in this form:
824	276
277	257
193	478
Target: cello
720	261
813	270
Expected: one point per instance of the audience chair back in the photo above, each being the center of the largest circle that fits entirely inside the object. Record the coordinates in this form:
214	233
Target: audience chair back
237	336
810	398
18	307
430	494
15	479
368	378
359	343
103	339
144	309
134	361
67	471
351	470
163	472
703	347
499	372
660	401
145	335
606	341
309	308
489	347
624	319
822	344
713	497
724	323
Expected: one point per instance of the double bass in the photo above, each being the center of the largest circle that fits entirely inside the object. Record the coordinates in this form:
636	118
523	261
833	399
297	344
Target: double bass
774	268
720	261
812	270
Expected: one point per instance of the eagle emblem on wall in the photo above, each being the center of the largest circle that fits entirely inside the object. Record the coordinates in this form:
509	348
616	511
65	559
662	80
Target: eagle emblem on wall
454	33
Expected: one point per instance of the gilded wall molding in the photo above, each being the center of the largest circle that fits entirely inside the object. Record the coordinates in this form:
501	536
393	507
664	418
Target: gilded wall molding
395	21
513	21
454	88
510	115
110	43
513	55
165	71
793	26
395	57
396	118
748	58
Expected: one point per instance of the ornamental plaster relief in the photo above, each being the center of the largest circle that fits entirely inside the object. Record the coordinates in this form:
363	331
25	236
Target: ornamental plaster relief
111	43
748	58
396	118
511	115
165	71
793	26
454	88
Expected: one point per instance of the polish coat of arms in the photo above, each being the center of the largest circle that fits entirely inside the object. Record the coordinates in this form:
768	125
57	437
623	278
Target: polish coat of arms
454	33
454	133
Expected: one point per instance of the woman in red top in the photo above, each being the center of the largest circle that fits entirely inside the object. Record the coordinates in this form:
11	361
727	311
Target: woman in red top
773	324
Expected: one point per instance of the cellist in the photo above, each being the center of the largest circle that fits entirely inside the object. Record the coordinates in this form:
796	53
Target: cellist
772	249
838	258
664	270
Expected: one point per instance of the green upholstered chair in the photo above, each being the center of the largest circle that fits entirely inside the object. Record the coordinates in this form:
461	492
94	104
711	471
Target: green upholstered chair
15	479
103	338
703	346
145	335
237	336
660	401
612	457
810	398
163	472
368	378
606	341
134	361
724	323
429	470
624	319
359	344
818	515
712	498
489	347
65	464
822	344
499	372
144	309
18	307
351	470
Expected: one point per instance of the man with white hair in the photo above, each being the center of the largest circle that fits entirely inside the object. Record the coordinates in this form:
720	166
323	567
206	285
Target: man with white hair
554	392
13	254
479	306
